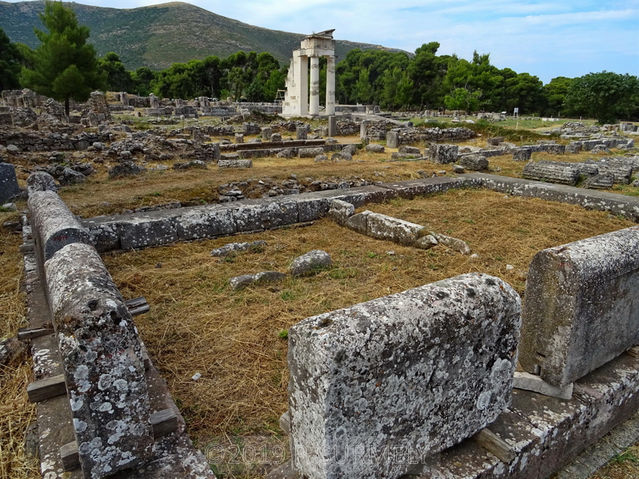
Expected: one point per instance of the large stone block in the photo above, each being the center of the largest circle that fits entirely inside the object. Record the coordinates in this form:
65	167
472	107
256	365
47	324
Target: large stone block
582	306
205	222
103	365
439	153
263	215
146	230
414	372
54	224
8	182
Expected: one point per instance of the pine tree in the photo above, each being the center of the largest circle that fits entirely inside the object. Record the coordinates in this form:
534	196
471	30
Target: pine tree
64	66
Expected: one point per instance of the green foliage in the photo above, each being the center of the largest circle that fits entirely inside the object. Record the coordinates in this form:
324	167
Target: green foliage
283	334
10	63
64	66
605	96
555	93
117	77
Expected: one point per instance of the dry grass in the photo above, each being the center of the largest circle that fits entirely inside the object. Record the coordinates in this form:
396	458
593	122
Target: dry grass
622	466
16	413
197	324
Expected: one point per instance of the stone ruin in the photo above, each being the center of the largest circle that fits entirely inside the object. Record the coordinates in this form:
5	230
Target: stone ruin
98	109
439	372
296	100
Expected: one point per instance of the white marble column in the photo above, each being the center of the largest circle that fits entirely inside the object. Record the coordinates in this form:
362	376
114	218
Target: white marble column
301	85
330	85
314	105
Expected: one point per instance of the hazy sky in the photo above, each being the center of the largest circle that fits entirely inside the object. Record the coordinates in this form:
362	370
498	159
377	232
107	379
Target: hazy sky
545	38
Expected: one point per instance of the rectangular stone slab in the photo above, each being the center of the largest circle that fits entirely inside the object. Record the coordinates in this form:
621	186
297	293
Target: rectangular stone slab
416	371
582	306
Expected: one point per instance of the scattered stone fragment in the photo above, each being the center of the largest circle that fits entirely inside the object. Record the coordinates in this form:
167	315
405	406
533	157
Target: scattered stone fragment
126	168
474	162
350	149
321	158
439	153
411	150
426	242
190	165
551	172
340	211
375	148
71	177
310	152
232	163
453	243
600	182
522	154
286	153
234	247
310	263
240	282
341	156
11	351
458	169
8	182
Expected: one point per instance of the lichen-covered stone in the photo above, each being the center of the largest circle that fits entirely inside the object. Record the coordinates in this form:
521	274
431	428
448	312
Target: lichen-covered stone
53	223
310	263
235	163
474	162
103	365
230	248
205	222
416	372
443	153
581	306
340	211
263	215
144	230
241	282
375	148
453	243
41	181
8	182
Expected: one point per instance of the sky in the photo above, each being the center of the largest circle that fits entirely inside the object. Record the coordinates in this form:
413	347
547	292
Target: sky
542	37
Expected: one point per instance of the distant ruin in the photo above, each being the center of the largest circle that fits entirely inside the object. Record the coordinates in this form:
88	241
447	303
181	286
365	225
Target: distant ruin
296	101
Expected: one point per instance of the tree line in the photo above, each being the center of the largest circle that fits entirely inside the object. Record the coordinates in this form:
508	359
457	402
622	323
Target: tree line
65	66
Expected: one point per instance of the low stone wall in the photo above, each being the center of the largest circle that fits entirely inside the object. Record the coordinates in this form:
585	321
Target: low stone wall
408	136
581	309
415	372
107	374
154	228
27	141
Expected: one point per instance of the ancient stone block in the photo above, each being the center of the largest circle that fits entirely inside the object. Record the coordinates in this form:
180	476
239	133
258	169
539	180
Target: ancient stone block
310	263
581	306
144	230
301	132
263	215
230	248
600	182
41	181
205	222
241	282
234	163
310	152
522	154
552	172
54	224
392	229
439	153
103	366
375	148
474	162
411	150
392	138
415	372
340	211
8	182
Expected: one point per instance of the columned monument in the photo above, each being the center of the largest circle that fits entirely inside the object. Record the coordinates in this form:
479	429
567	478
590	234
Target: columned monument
296	100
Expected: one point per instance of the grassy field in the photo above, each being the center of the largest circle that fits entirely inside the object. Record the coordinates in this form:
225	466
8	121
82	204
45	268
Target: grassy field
238	346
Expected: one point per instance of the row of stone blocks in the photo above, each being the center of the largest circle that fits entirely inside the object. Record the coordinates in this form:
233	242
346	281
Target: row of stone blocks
411	374
102	355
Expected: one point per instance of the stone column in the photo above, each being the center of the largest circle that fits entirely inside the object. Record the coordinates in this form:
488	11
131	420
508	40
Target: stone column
314	105
330	85
301	84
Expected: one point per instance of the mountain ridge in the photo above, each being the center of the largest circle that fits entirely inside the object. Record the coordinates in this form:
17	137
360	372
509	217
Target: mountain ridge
160	35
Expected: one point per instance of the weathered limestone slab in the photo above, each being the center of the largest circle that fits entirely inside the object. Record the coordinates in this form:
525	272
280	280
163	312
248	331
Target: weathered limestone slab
439	153
8	182
624	205
54	224
310	152
532	382
581	306
453	243
522	154
241	282
340	211
234	163
415	372
474	162
392	138
256	215
102	362
552	172
385	227
310	263
146	229
231	248
205	222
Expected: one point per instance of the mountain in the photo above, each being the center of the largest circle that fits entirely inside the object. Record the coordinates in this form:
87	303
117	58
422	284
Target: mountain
159	35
